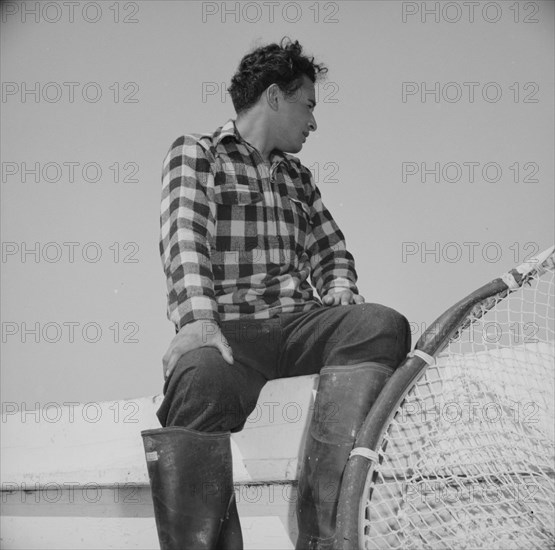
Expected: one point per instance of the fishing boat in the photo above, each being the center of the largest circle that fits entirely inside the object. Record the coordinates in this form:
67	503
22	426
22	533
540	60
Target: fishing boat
74	474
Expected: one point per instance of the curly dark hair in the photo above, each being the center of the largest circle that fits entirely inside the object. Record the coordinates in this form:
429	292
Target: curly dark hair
282	64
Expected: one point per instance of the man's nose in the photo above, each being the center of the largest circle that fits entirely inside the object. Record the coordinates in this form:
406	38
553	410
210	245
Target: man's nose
312	124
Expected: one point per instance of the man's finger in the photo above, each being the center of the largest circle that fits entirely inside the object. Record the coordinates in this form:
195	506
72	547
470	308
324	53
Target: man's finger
346	298
172	361
225	350
166	361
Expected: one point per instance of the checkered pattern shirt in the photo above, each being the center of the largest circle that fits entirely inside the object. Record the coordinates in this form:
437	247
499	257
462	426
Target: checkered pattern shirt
244	238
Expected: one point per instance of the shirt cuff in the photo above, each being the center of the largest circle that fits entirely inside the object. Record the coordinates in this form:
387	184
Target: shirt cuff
195	308
340	283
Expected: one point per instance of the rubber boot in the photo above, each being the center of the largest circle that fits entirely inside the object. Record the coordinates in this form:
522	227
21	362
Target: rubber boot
231	537
191	481
345	396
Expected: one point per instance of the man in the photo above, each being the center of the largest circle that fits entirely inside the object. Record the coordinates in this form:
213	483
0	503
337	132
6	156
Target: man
244	233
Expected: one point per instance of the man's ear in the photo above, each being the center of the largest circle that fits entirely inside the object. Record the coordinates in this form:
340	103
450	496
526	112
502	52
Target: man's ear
273	96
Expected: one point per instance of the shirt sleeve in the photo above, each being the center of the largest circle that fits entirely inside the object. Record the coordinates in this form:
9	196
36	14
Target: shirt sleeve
332	265
187	221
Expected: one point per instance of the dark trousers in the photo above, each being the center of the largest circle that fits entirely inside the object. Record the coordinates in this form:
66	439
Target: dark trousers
205	393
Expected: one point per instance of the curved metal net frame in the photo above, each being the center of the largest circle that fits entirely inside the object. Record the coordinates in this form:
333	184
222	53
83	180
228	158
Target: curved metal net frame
468	460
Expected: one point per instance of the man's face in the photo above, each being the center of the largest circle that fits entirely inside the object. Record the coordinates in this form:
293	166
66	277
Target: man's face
295	118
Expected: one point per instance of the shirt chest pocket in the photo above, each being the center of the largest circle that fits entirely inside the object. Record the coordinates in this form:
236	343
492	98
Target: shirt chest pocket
238	214
301	210
300	214
236	195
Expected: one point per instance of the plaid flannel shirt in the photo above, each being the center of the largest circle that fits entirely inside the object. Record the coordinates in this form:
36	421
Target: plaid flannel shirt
240	237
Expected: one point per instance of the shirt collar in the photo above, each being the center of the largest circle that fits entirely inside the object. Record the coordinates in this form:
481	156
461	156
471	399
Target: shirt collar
230	130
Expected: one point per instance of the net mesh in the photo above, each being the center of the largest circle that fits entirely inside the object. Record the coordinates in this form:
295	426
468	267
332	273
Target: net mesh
469	458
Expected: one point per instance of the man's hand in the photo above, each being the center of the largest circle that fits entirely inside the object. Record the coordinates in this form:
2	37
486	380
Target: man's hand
198	334
341	297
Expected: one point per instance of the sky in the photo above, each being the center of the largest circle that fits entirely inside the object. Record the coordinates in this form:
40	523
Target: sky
434	153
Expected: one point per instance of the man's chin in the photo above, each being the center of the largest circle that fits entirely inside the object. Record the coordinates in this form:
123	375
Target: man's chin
293	149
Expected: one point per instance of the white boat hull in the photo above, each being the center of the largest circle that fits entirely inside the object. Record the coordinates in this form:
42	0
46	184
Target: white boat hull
75	476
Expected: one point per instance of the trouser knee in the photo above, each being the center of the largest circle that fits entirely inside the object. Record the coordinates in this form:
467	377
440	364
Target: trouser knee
397	329
381	331
204	393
